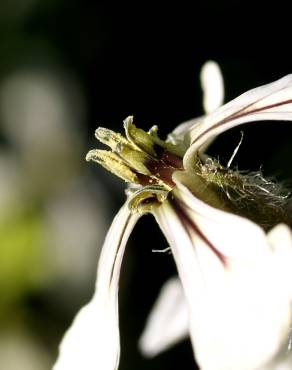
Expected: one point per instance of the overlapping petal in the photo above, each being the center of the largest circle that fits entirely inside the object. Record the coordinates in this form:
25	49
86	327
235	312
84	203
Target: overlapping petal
168	321
238	292
93	340
269	102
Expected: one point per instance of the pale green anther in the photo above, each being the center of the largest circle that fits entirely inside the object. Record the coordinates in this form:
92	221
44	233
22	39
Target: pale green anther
153	131
139	137
147	141
113	163
110	138
134	158
125	151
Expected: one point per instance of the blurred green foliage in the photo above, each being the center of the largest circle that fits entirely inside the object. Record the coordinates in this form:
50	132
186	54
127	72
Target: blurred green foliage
22	267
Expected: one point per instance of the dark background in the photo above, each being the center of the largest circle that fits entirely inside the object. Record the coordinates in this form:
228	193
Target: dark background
144	59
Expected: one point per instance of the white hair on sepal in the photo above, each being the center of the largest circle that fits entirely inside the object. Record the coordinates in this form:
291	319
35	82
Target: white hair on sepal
249	193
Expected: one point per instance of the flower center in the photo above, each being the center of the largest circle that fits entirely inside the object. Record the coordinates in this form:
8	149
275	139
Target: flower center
139	158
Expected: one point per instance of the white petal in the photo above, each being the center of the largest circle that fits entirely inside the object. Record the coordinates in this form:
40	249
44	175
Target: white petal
217	223
280	238
168	321
212	86
93	342
284	365
268	102
213	96
179	133
239	299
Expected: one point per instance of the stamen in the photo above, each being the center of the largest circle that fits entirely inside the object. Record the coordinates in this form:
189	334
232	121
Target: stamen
140	157
110	138
113	163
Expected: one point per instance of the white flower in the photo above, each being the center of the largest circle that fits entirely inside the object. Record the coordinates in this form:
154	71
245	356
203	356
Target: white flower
235	276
